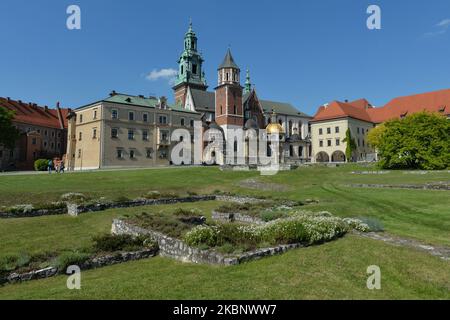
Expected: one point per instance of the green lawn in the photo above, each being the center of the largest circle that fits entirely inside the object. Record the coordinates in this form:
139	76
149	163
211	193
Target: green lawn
333	270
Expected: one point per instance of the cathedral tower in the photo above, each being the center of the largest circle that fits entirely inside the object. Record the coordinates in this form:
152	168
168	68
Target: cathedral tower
190	71
229	109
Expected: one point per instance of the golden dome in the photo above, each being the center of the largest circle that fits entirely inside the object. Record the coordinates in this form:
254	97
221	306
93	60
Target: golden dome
274	128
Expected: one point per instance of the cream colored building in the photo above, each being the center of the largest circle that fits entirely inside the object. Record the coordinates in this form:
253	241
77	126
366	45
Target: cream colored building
328	132
124	131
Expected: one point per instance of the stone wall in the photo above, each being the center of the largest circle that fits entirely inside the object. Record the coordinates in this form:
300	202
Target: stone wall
32	213
92	263
74	209
236	217
177	249
430	186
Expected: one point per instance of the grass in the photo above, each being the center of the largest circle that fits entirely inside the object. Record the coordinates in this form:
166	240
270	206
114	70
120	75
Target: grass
332	270
335	270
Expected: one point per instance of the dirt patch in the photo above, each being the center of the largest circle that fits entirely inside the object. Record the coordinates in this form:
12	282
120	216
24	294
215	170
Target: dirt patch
264	186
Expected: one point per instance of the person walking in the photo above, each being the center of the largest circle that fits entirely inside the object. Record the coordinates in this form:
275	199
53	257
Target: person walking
49	166
61	166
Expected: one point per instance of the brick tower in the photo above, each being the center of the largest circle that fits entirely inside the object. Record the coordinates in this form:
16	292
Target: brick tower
229	108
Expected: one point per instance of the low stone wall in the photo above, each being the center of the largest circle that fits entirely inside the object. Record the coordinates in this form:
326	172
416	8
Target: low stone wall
431	186
74	209
93	263
177	249
236	217
32	213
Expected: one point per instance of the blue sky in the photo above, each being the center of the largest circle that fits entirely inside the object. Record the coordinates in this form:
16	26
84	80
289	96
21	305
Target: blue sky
303	52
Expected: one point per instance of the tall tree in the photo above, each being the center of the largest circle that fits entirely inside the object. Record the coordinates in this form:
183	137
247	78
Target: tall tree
351	145
419	141
8	133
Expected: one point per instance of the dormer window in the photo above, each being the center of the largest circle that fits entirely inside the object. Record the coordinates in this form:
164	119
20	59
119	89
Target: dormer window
194	69
442	109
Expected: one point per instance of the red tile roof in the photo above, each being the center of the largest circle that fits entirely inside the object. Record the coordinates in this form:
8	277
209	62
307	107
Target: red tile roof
29	113
337	109
437	101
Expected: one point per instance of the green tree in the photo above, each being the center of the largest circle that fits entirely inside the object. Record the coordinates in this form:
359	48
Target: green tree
418	141
351	145
8	133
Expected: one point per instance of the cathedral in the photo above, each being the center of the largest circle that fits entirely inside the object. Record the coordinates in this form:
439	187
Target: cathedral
231	106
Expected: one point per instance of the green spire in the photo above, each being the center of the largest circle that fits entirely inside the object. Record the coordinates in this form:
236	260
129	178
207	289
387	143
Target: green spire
248	84
190	62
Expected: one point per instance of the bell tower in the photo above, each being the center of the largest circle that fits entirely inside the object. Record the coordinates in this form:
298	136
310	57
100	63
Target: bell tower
229	108
190	71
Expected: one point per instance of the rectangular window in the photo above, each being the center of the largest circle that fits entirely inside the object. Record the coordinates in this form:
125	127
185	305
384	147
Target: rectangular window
329	143
94	133
95	114
33	141
131	116
336	129
338	142
320	131
149	153
192	123
79	153
130	134
80	136
132	154
81	118
145	135
114	114
194	69
328	130
162	119
114	133
182	122
357	130
145	117
1	153
320	143
119	153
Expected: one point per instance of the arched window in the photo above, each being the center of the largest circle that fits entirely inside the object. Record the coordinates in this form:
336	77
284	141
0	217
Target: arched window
221	110
235	146
291	151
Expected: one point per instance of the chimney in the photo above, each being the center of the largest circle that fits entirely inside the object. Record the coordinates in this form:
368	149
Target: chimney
46	108
69	110
8	98
113	93
346	100
57	105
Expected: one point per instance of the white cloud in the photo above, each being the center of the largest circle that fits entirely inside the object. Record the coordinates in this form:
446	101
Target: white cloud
168	74
442	28
444	23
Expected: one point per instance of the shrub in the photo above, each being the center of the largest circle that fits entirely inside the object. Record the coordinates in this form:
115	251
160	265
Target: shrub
187	212
20	208
152	195
169	195
121	199
50	206
284	231
201	235
374	224
69	258
192	193
357	224
41	164
73	197
111	243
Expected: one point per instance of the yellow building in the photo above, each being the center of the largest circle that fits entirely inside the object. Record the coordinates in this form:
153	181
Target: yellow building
124	131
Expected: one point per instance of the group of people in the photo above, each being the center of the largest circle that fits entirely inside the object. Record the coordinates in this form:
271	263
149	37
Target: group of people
58	164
